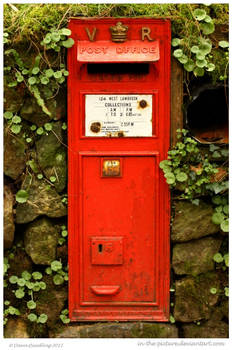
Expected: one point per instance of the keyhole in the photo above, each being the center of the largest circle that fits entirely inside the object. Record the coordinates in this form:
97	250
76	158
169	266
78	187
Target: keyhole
100	247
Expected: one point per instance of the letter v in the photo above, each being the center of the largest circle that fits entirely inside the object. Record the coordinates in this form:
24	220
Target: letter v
92	35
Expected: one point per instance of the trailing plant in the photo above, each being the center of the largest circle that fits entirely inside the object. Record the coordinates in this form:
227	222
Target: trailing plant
64	316
196	172
59	273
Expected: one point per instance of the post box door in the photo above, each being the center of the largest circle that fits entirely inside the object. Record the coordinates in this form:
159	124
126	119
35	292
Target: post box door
118	199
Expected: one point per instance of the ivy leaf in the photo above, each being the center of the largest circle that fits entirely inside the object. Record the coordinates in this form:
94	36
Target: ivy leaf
48	270
32	80
226	259
189	66
44	80
217	218
8	115
42	285
199	72
57	74
64	319
200	55
21	196
65	31
40	131
207	19
213	290
218	258
175	42
201	63
226	209
210	67
68	43
181	177
199	14
56	265
178	53
48	126
52	179
226	290
170	178
35	70
32	317
55	36
64	233
172	319
37	275
31	305
15	128
224	44
21	282
207	28
49	73
19	293
225	225
183	59
40	176
58	279
195	49
13	279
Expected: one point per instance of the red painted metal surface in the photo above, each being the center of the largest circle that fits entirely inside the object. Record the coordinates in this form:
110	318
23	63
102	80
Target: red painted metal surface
119	205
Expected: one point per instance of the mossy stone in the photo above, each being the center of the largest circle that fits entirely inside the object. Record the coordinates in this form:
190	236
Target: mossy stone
208	329
42	200
52	155
40	240
14	154
9	226
192	221
195	257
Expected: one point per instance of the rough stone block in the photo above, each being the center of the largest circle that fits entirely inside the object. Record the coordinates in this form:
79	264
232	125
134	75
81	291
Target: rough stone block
192	221
209	329
52	155
42	200
40	240
195	257
16	328
14	154
193	299
9	226
118	330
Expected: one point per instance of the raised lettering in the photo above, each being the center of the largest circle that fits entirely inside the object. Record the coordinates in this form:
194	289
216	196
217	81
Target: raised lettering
90	35
146	34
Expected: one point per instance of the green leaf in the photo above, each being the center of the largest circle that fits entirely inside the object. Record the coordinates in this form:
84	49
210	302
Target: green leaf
226	290
218	258
47	38
42	285
29	285
19	293
15	128
58	279
195	49
57	74
48	126
178	53
213	290
28	139
42	318
40	131
31	305
65	31
52	179
48	270
64	319
217	218
21	196
49	73
189	66
207	28
210	67
13	279
55	36
199	72
36	287
205	47
199	14
35	70
32	317
64	126
175	42
65	312
25	71
68	43
225	225
170	178
37	275
56	265
183	59
33	127
65	73
32	80
207	19
172	319
64	233
224	44
40	176
44	80
201	63
6	302
181	177
200	56
21	282
8	115
216	154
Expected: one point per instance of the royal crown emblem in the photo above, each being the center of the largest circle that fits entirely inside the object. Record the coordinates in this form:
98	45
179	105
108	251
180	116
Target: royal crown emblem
119	33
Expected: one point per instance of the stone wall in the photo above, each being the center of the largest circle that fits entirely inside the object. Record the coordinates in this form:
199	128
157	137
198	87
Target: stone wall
32	239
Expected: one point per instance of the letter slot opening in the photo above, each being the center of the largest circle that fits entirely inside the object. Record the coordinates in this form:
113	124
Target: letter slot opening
118	68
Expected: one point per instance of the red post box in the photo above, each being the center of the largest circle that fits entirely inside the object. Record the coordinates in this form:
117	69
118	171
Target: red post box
119	130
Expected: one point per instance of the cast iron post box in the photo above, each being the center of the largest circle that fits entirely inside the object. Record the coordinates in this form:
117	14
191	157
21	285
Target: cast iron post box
119	129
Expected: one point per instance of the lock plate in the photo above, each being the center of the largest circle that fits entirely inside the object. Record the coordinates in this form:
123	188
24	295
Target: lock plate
107	250
111	168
